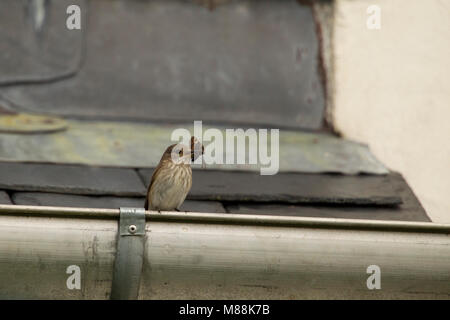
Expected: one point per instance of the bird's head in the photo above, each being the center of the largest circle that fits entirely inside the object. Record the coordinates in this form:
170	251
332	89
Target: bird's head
182	154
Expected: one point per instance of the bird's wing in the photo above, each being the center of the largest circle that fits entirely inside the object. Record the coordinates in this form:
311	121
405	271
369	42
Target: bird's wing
154	176
156	173
146	205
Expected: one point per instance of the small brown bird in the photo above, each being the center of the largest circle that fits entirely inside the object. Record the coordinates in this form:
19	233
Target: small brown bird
172	178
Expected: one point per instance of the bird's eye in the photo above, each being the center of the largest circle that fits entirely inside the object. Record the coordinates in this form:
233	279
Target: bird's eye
180	153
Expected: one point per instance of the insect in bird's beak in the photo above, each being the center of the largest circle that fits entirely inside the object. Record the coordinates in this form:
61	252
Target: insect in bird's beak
197	149
203	162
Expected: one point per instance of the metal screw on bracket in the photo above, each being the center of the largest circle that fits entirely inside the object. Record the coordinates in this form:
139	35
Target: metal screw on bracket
132	228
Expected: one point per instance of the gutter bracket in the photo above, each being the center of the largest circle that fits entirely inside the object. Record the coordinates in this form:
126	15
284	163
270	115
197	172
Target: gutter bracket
129	254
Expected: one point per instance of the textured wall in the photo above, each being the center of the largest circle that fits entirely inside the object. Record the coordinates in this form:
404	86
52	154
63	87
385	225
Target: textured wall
392	90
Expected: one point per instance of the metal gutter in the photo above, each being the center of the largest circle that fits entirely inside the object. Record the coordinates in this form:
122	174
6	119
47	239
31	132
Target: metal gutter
228	218
222	256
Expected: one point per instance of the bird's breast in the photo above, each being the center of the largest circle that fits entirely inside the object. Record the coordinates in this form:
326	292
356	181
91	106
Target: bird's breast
170	187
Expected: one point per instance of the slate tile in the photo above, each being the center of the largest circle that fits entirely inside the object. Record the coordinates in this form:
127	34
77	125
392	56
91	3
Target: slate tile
68	200
70	179
4	198
202	206
290	188
140	145
409	210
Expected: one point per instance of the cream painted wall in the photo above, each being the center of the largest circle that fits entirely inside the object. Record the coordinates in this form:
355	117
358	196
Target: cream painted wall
391	90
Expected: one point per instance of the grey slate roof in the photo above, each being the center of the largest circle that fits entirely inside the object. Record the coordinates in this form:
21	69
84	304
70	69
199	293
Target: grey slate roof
292	194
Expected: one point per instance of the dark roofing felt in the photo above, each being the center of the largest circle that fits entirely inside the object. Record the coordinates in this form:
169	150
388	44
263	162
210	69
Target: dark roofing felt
255	60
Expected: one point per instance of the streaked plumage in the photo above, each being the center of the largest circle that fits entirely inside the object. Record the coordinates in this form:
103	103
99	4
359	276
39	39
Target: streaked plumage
172	180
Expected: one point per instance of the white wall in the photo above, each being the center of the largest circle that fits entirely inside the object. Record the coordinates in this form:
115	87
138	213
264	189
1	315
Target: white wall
392	90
